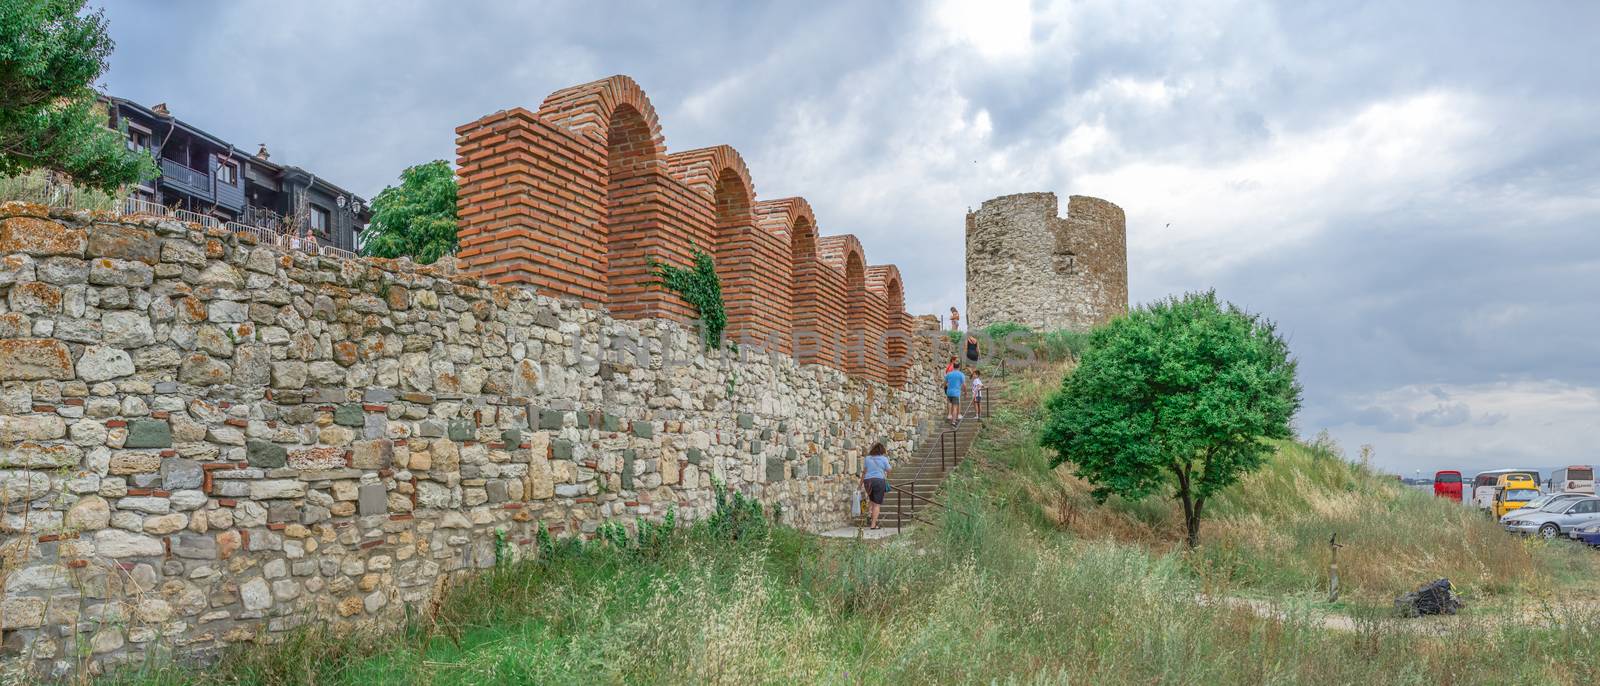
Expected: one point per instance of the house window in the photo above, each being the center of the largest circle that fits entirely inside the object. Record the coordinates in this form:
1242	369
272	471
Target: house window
228	172
138	140
319	220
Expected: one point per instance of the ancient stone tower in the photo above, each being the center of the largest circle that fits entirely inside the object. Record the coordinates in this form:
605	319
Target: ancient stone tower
1027	265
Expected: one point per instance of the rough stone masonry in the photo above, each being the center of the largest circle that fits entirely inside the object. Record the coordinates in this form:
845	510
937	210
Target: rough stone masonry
205	441
1026	265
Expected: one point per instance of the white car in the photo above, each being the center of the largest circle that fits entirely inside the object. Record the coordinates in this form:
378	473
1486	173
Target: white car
1559	520
1545	503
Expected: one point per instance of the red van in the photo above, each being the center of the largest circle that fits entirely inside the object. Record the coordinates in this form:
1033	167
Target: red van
1447	484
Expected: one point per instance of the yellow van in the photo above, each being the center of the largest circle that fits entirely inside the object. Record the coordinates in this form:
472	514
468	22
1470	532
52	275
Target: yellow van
1516	481
1513	496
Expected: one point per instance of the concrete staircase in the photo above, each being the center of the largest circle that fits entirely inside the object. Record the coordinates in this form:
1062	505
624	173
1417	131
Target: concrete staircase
921	476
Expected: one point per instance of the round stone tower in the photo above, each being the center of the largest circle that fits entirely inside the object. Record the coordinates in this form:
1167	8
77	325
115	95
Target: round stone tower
1028	266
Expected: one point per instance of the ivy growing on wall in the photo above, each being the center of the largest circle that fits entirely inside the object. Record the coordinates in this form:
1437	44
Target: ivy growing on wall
700	286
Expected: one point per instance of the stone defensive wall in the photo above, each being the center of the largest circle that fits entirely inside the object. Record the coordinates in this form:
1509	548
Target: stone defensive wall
578	198
206	441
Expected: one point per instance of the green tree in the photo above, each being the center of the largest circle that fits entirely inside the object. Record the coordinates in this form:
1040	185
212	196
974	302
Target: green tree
416	219
1179	394
50	54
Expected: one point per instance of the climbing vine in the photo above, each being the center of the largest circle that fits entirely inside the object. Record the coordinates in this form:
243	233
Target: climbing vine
701	287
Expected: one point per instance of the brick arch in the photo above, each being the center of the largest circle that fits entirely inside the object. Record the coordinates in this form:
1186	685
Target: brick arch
792	222
644	215
846	299
751	262
700	169
588	110
884	280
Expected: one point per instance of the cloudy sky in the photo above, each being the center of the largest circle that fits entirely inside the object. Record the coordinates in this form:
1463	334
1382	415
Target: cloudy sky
1411	189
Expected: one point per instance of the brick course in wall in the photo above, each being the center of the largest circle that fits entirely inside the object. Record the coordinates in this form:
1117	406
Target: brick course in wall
576	200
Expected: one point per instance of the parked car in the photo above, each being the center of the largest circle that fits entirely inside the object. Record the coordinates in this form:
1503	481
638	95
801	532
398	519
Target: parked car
1548	501
1588	534
1557	520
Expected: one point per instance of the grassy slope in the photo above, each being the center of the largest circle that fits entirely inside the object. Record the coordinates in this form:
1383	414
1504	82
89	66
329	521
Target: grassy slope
1270	532
1035	585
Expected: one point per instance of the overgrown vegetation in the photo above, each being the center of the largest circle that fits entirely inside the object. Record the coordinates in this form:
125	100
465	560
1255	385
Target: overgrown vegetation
700	286
39	187
51	51
1036	584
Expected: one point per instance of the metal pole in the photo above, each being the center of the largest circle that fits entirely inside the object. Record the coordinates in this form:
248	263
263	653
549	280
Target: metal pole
1333	568
900	509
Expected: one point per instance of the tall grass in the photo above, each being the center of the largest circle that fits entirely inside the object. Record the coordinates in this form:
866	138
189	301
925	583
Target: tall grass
998	590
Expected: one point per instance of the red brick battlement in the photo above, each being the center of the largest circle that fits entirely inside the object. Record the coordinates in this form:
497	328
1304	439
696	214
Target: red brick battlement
576	200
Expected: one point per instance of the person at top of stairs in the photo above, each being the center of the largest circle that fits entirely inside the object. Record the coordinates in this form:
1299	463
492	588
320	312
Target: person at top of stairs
875	480
953	383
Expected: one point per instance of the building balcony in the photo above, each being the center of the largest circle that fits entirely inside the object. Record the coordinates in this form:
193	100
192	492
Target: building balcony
191	181
203	186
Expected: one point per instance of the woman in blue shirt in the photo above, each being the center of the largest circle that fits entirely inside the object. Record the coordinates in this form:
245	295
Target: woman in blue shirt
875	479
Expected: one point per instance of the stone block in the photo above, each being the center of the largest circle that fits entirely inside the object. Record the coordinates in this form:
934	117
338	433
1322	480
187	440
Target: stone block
14	429
134	462
178	473
40	237
561	449
21	613
628	458
265	455
462	430
317	458
124	243
194	547
551	420
148	433
644	429
101	363
372	499
34	359
373	454
747	420
777	469
349	415
273	489
118	543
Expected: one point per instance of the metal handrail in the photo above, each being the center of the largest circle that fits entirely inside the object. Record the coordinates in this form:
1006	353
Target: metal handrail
902	513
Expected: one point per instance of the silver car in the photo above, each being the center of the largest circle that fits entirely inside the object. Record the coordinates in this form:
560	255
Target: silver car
1546	502
1557	520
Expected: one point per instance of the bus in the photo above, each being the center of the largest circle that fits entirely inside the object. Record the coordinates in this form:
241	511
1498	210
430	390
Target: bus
1578	478
1484	485
1447	484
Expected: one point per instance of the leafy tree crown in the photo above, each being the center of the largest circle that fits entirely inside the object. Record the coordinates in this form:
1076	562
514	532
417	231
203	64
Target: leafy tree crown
1185	389
416	219
50	54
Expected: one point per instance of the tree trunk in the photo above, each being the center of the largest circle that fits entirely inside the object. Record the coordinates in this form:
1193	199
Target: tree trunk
1191	513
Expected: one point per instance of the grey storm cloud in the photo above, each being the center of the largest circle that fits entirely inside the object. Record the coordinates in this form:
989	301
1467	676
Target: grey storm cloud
1408	189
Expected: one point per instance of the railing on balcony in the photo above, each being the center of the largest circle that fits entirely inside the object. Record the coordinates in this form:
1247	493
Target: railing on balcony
262	217
132	205
255	222
192	180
